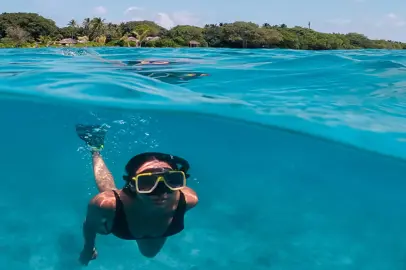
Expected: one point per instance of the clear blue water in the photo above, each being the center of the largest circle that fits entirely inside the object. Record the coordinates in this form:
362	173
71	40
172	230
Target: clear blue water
297	156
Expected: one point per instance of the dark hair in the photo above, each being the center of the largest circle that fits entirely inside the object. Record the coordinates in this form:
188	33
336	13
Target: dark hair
137	161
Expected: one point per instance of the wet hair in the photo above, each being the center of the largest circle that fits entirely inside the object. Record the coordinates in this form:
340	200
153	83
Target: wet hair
176	163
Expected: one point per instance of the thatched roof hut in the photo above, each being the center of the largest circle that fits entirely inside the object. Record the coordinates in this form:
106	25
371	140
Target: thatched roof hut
67	41
194	43
151	38
133	39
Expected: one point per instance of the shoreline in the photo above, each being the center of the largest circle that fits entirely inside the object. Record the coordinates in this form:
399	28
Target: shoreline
185	47
15	32
84	45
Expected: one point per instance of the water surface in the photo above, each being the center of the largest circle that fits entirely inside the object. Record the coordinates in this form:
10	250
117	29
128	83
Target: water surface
297	156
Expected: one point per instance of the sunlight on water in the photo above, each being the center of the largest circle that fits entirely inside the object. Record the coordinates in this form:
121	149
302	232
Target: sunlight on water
261	130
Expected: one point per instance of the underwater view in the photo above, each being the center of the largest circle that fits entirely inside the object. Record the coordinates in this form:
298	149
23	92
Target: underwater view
297	158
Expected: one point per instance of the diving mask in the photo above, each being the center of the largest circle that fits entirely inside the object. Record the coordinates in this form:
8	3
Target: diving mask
147	182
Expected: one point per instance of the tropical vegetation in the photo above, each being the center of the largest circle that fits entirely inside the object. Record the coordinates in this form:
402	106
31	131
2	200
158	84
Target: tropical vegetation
33	30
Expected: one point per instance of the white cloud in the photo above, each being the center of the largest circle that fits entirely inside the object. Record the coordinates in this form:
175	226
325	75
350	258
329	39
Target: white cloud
132	9
164	20
100	10
177	18
392	16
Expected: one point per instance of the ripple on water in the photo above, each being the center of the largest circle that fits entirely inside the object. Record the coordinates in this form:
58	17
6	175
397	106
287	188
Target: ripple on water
359	91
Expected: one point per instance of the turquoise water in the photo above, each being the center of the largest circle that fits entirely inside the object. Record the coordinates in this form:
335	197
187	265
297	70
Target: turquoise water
297	156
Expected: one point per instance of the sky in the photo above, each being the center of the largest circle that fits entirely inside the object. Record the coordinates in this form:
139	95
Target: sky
376	19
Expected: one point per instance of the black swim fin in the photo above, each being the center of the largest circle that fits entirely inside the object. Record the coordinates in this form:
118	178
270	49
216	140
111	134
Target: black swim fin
92	135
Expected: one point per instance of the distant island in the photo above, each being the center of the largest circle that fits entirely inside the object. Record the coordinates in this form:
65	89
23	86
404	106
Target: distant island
31	30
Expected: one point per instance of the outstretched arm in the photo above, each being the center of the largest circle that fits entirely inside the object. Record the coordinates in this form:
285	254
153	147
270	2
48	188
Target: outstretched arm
104	178
115	62
99	213
90	228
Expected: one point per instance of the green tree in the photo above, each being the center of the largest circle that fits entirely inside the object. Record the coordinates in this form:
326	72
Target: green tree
32	23
153	28
112	32
73	27
97	27
183	34
213	35
141	32
17	29
17	35
86	24
242	35
162	43
46	40
359	40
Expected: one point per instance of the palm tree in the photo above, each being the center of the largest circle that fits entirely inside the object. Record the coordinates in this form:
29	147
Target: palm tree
141	34
86	26
96	27
72	25
125	40
112	31
46	40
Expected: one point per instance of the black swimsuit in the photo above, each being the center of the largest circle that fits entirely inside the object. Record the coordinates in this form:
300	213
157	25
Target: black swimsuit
120	225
